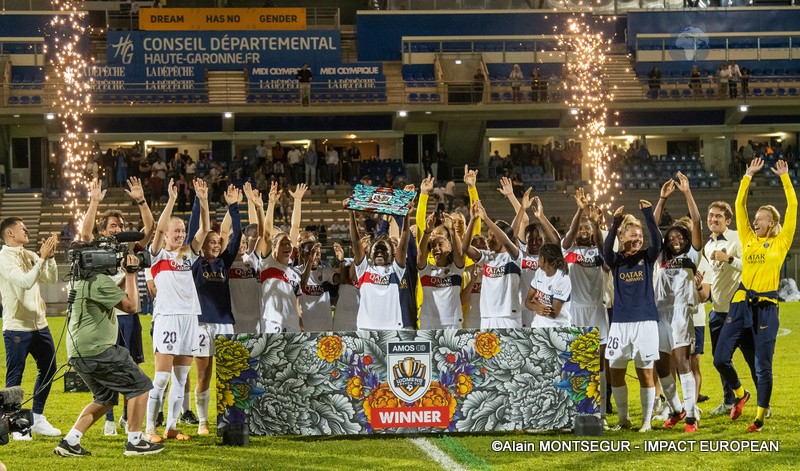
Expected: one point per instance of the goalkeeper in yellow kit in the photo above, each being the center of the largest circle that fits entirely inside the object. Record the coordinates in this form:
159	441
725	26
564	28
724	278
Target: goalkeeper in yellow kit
754	308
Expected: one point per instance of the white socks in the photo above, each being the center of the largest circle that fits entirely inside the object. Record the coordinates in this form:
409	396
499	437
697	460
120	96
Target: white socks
603	397
156	398
187	400
73	437
134	437
648	398
670	390
621	400
688	386
176	394
201	400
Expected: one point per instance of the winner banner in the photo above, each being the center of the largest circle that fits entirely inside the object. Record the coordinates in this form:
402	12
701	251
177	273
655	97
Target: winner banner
429	381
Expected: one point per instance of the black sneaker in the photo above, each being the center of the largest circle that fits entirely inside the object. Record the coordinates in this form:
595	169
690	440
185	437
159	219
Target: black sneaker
66	450
702	398
189	418
143	448
160	419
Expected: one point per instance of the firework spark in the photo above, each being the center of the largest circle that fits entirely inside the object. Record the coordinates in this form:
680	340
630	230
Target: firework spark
587	96
73	97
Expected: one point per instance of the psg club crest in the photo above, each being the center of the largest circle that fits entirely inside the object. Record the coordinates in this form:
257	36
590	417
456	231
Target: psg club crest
409	369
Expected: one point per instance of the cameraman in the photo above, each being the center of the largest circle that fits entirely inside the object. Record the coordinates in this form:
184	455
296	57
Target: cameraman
105	367
25	330
109	224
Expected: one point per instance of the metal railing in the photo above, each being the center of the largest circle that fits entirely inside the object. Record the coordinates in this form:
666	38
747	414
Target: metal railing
371	92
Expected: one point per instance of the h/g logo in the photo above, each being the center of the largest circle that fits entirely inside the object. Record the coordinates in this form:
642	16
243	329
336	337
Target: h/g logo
123	49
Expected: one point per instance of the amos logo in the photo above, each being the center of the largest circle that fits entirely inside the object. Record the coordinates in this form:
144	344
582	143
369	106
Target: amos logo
409	369
381	198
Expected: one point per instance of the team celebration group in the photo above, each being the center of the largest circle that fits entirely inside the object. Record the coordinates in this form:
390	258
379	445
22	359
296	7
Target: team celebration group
421	271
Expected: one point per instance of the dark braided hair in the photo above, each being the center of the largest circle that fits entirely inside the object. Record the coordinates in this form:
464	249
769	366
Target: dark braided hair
551	253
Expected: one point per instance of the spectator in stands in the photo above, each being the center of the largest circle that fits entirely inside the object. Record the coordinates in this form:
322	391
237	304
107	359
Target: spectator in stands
122	167
557	157
310	161
442	165
344	166
332	161
156	4
477	86
277	152
450	194
695	82
537	91
354	154
748	153
745	81
547	163
134	12
294	156
735	75
642	153
723	77
577	158
495	165
654	82
304	77
516	79
158	174
427	163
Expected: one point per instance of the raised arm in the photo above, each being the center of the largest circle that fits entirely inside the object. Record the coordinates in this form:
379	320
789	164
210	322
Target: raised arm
522	210
510	246
358	249
264	245
313	258
255	207
466	243
96	195
233	196
294	231
507	189
742	219
581	201
470	179
474	276
654	247
136	192
201	190
13	273
790	218
458	248
666	190
608	245
402	247
163	219
422	205
538	213
694	212
422	254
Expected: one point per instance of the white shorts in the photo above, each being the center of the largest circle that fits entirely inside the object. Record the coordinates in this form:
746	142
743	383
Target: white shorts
545	321
637	341
205	338
675	328
273	327
590	316
501	323
247	326
174	334
473	321
528	318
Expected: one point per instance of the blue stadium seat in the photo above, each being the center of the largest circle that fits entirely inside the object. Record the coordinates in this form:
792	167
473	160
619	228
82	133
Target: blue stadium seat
757	91
435	97
13	100
769	91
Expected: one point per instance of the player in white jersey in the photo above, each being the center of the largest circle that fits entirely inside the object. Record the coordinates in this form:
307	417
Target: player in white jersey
344	317
530	238
500	301
175	313
675	295
471	292
583	247
317	280
549	293
280	284
243	274
441	280
379	277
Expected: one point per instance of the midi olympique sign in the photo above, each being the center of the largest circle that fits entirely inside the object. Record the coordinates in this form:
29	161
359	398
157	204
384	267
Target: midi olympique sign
350	383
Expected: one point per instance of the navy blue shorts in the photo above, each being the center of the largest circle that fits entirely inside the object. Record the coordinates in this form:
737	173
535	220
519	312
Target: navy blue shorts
699	340
130	336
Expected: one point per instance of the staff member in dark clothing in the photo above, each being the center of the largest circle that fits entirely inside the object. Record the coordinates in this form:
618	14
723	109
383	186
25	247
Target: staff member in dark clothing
304	76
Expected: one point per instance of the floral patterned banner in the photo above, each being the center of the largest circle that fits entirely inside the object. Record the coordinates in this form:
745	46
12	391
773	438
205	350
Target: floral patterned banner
359	382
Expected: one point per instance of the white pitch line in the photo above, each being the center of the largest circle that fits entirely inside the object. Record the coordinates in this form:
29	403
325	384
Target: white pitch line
437	454
782	332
